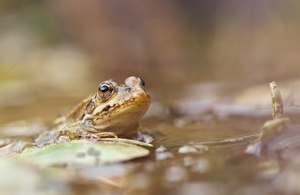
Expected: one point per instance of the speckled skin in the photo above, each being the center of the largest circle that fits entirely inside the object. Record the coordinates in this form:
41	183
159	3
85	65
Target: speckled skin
114	108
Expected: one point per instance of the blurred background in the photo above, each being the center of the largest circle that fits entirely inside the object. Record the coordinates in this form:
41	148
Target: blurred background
55	49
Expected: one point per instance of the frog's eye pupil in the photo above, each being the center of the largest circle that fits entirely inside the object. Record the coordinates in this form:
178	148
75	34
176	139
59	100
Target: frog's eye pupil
142	82
104	88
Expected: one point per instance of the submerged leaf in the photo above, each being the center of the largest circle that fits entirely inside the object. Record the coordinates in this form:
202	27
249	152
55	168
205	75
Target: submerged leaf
18	178
83	152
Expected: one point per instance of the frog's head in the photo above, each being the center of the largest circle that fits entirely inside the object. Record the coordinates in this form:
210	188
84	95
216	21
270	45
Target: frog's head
118	108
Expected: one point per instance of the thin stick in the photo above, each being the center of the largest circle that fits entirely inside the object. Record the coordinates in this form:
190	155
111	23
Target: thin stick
277	104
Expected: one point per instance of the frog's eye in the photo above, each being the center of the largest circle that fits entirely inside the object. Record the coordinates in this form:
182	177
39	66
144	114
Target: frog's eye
105	90
142	82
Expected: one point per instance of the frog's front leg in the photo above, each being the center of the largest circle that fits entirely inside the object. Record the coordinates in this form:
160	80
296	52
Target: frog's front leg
106	135
82	132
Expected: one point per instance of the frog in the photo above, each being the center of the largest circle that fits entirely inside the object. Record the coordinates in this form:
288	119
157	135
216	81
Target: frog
115	110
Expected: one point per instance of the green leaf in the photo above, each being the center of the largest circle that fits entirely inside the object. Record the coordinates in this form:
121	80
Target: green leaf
82	152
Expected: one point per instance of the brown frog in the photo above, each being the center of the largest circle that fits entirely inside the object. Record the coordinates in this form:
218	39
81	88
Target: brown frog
115	110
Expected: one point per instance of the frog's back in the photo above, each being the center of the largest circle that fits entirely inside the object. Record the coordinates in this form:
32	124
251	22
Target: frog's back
75	114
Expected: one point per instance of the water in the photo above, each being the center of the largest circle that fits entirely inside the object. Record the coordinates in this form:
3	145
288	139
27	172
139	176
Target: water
197	153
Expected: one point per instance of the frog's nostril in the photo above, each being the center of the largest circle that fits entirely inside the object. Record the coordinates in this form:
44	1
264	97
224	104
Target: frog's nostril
142	82
127	89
